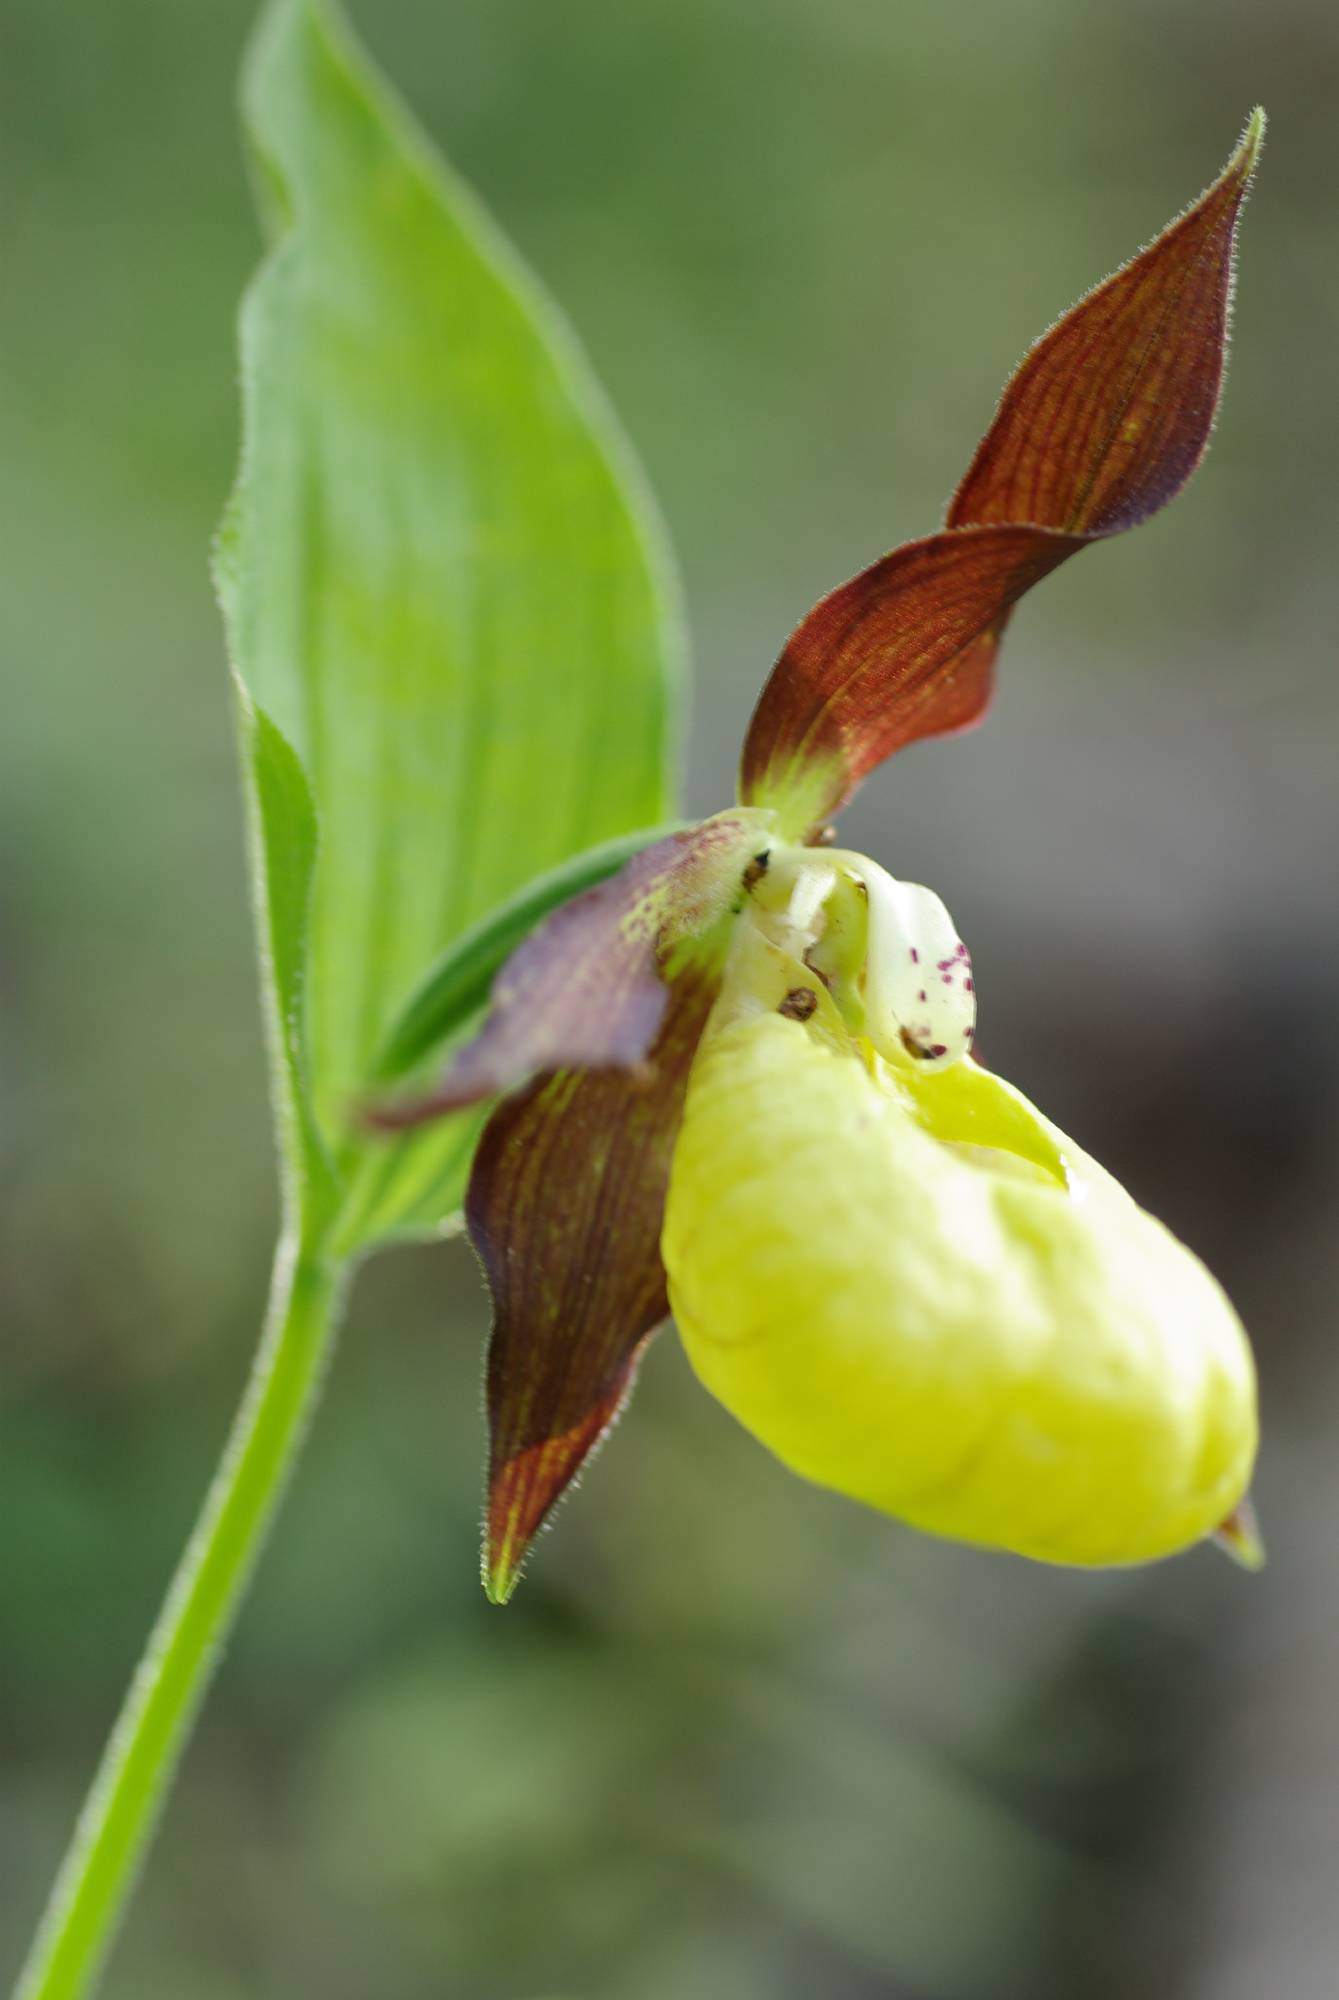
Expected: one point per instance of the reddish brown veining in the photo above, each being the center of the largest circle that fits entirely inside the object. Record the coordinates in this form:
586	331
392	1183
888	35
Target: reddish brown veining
904	650
564	1207
1109	414
1102	424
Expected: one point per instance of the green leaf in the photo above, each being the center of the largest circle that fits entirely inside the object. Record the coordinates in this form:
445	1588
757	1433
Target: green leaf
445	593
282	835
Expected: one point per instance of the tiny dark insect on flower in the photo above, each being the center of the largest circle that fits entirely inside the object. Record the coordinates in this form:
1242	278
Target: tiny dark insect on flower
799	1004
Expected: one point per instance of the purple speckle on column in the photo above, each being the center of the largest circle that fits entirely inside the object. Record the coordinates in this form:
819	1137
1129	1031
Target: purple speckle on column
915	956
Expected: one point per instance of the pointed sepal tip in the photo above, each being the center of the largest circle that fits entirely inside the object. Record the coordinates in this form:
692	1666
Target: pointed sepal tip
1239	1537
500	1576
1252	139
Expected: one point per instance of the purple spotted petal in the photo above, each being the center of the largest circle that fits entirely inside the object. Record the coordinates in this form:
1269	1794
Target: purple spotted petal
588	989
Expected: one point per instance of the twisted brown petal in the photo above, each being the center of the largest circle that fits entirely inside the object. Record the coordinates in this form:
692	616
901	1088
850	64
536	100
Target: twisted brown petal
598	1014
1102	424
564	1207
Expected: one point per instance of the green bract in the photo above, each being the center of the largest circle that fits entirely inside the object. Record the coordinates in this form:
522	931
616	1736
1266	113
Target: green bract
447	597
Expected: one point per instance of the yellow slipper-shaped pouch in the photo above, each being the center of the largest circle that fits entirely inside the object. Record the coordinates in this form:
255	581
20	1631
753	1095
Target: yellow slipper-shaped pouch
915	1290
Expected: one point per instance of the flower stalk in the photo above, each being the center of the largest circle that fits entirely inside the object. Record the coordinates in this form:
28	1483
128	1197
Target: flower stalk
187	1641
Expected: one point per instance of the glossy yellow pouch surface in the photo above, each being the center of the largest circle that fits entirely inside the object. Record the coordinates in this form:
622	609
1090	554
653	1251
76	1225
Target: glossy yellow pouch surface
916	1291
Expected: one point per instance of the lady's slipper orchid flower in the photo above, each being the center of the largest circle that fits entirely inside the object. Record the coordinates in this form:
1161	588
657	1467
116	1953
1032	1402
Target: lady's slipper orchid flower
737	1081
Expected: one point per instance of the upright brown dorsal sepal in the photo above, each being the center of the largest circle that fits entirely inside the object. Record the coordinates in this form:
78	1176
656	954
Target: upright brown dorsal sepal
1101	425
1106	417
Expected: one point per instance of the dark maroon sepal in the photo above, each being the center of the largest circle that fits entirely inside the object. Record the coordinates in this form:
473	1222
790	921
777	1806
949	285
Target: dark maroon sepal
1101	425
564	1208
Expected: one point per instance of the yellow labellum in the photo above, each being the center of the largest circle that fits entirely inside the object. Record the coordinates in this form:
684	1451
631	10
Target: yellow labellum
916	1291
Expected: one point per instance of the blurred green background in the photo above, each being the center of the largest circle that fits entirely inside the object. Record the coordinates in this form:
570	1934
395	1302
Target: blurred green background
733	1738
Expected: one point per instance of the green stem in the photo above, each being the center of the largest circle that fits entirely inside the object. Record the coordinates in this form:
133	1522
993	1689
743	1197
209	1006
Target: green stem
183	1649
